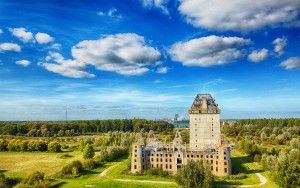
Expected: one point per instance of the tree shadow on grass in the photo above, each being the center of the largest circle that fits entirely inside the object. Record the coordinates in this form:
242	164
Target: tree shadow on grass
238	167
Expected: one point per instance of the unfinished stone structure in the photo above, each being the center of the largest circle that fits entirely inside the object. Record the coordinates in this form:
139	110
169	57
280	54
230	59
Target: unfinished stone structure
206	143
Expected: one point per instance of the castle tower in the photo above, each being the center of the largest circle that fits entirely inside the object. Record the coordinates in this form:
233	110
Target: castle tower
204	123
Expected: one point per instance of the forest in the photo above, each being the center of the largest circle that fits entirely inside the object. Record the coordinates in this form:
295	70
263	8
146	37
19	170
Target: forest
275	143
83	127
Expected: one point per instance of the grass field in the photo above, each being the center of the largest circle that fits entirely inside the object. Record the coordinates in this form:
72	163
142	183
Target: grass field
18	164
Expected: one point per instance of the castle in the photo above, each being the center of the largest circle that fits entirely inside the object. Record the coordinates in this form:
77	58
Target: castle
206	143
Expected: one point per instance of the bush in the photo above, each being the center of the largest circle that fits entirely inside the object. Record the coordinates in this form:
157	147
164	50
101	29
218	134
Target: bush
88	152
157	172
89	164
54	147
73	169
34	178
257	158
195	175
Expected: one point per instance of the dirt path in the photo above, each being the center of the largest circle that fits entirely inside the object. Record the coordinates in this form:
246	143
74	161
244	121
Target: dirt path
106	170
145	181
261	178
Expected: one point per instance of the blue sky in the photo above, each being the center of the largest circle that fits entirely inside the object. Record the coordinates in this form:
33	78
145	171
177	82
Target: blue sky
148	58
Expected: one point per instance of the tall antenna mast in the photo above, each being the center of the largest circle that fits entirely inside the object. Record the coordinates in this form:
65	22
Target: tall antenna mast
66	113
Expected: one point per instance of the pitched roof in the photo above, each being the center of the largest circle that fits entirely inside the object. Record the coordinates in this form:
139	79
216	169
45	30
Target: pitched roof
204	104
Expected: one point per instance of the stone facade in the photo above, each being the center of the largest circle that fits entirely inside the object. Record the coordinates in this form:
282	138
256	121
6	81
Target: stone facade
206	144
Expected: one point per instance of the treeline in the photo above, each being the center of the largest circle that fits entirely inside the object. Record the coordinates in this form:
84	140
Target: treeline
86	127
29	145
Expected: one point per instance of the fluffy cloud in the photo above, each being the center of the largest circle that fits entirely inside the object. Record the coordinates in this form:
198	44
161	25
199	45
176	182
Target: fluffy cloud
239	15
162	70
208	51
279	44
258	56
1	31
113	12
159	4
23	63
66	67
10	47
43	38
291	63
126	54
22	34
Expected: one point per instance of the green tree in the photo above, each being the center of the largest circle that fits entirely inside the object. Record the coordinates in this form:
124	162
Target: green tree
195	175
88	152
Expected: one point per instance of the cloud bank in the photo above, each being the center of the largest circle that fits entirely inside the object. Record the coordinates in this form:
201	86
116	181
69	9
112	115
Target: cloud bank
125	54
208	51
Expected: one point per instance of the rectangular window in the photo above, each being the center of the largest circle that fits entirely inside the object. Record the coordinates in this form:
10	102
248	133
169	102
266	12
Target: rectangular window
134	166
160	159
170	160
170	166
225	170
225	163
166	160
134	160
216	169
166	166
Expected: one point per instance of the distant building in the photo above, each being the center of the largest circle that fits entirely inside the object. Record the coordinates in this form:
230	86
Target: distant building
206	143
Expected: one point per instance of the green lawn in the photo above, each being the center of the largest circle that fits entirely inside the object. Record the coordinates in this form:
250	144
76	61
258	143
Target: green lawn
19	164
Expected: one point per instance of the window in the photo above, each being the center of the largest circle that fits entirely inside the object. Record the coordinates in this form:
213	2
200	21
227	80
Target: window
135	146
170	155
135	150
151	159
166	160
156	165
216	162
166	166
161	155
156	159
211	156
135	155
224	158
134	166
225	163
170	160
211	161
134	160
178	155
152	166
197	156
170	166
192	156
166	155
216	169
143	167
212	168
152	154
225	170
188	155
160	159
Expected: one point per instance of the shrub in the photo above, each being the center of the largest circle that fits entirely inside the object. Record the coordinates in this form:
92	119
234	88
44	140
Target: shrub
89	164
257	157
34	178
88	152
72	169
54	147
157	172
195	175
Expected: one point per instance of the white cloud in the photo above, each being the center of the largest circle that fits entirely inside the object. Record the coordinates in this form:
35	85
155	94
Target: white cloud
23	63
258	55
162	70
9	47
112	12
208	51
1	31
159	4
66	67
279	44
56	46
126	54
291	63
239	15
43	38
22	34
